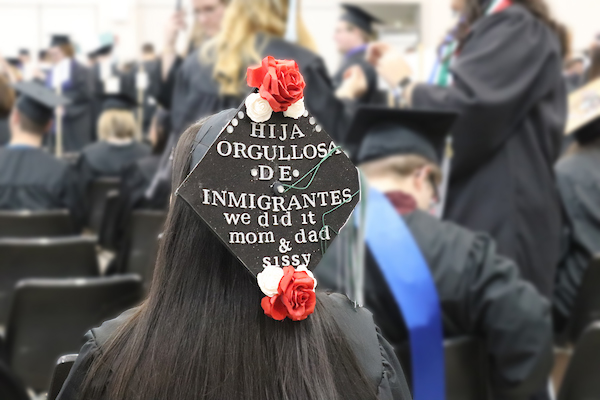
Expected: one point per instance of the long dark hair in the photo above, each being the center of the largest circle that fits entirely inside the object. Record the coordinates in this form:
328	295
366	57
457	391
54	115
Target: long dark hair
475	9
201	333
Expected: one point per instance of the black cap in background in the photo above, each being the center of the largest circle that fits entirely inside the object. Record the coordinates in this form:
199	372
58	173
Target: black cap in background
379	132
59	40
359	18
37	102
123	99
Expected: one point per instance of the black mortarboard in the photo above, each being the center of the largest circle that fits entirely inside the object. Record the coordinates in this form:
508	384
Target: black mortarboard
584	113
23	52
59	40
359	18
275	192
378	132
37	102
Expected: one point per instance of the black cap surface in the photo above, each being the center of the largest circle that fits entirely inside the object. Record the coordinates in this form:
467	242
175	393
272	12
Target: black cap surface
379	132
275	192
359	18
124	97
37	102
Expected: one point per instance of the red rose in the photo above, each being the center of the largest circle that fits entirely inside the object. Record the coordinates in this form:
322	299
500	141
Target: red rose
296	298
278	81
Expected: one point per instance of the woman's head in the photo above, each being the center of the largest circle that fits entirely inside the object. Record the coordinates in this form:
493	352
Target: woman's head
235	46
117	124
201	333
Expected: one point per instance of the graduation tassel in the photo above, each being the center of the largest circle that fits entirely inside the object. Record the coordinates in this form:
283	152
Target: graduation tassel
443	187
141	83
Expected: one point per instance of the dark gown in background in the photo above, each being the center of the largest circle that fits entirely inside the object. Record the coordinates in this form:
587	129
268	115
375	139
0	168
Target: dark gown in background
371	96
77	121
372	351
578	178
98	96
31	179
508	88
106	160
481	295
135	180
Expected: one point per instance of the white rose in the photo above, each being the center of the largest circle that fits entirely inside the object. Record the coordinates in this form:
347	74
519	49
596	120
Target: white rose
257	108
269	279
309	272
296	110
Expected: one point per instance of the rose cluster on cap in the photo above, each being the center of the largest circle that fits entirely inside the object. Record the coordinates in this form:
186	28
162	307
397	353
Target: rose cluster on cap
290	293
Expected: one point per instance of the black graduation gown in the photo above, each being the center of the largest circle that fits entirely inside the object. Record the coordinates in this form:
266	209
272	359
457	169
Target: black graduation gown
373	352
31	179
77	121
103	159
136	178
578	178
481	295
371	96
509	89
98	96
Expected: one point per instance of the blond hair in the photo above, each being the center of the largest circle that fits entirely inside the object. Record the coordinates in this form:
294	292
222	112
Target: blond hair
118	124
234	48
402	166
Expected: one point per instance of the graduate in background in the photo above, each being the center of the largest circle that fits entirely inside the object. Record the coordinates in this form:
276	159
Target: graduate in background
353	33
117	147
481	293
76	83
502	71
578	176
30	178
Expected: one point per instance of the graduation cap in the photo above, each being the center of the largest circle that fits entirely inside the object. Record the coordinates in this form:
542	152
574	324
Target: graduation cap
37	102
359	18
59	40
103	45
271	184
584	113
15	62
24	52
119	101
120	93
379	132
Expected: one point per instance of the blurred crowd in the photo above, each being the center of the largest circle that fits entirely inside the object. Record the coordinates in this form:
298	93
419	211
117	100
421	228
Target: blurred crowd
492	167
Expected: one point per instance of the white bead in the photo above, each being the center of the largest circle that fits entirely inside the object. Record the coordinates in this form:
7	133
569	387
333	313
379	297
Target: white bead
312	120
318	128
241	115
230	129
305	114
296	173
234	122
254	172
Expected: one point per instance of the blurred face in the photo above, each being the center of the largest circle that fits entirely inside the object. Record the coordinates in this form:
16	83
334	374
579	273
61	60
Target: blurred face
347	37
419	185
458	5
209	14
56	55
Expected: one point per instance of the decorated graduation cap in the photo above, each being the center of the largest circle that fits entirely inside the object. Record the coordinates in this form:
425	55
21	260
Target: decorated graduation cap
359	18
102	46
271	184
37	102
379	132
584	113
59	40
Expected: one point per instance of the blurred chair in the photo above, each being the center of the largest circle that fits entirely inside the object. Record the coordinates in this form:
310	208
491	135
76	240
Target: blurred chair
68	257
10	386
49	317
27	224
61	372
145	227
587	304
96	196
108	234
581	382
465	366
